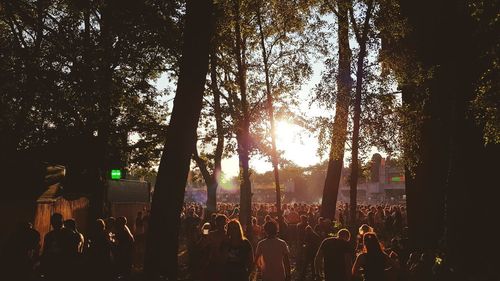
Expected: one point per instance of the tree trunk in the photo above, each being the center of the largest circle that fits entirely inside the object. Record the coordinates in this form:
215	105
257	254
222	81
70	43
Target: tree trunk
168	197
210	181
219	149
270	109
339	131
353	182
243	134
104	105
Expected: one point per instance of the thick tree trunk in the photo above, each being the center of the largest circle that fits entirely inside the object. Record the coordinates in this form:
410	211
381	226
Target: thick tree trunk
243	134
353	183
451	188
339	132
168	197
104	103
270	110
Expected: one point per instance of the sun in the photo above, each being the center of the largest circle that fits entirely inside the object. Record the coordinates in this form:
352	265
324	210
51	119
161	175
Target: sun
296	143
287	134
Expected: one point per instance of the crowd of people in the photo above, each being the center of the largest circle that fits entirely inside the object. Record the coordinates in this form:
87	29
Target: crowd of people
302	245
106	252
298	245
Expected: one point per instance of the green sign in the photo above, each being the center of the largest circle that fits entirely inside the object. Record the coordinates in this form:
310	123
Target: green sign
396	179
116	174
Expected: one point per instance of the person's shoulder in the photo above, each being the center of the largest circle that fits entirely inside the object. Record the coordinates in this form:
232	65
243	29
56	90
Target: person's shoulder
282	243
262	242
246	243
329	240
361	256
281	240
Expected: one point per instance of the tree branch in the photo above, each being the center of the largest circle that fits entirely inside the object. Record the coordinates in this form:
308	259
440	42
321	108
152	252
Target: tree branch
354	24
332	7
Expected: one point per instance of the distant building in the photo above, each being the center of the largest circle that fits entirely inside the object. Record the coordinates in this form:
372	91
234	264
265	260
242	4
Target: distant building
387	182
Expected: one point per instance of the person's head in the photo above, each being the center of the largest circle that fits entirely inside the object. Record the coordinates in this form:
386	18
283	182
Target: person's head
413	259
271	228
70	224
371	244
56	220
110	222
364	229
320	220
121	222
254	221
303	219
99	225
268	218
234	230
344	234
220	222
205	229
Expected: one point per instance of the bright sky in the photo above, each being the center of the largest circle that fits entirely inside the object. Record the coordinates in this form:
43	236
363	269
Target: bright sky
297	144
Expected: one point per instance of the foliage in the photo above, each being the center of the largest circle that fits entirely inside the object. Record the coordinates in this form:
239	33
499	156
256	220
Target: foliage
52	72
381	101
285	24
485	106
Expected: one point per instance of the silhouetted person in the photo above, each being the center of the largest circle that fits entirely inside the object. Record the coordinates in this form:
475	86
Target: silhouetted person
77	240
373	262
301	229
239	254
336	254
124	247
191	226
20	253
58	250
216	259
110	228
261	214
272	255
256	232
310	246
283	232
98	253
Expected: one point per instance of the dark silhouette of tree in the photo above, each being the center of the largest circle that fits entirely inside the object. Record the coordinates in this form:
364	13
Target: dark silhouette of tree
270	110
168	197
339	130
212	178
440	63
362	38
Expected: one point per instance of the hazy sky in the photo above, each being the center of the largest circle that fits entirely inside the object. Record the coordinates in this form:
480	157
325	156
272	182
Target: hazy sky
298	145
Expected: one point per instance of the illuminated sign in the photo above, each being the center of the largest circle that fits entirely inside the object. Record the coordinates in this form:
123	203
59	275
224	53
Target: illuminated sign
116	174
397	179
